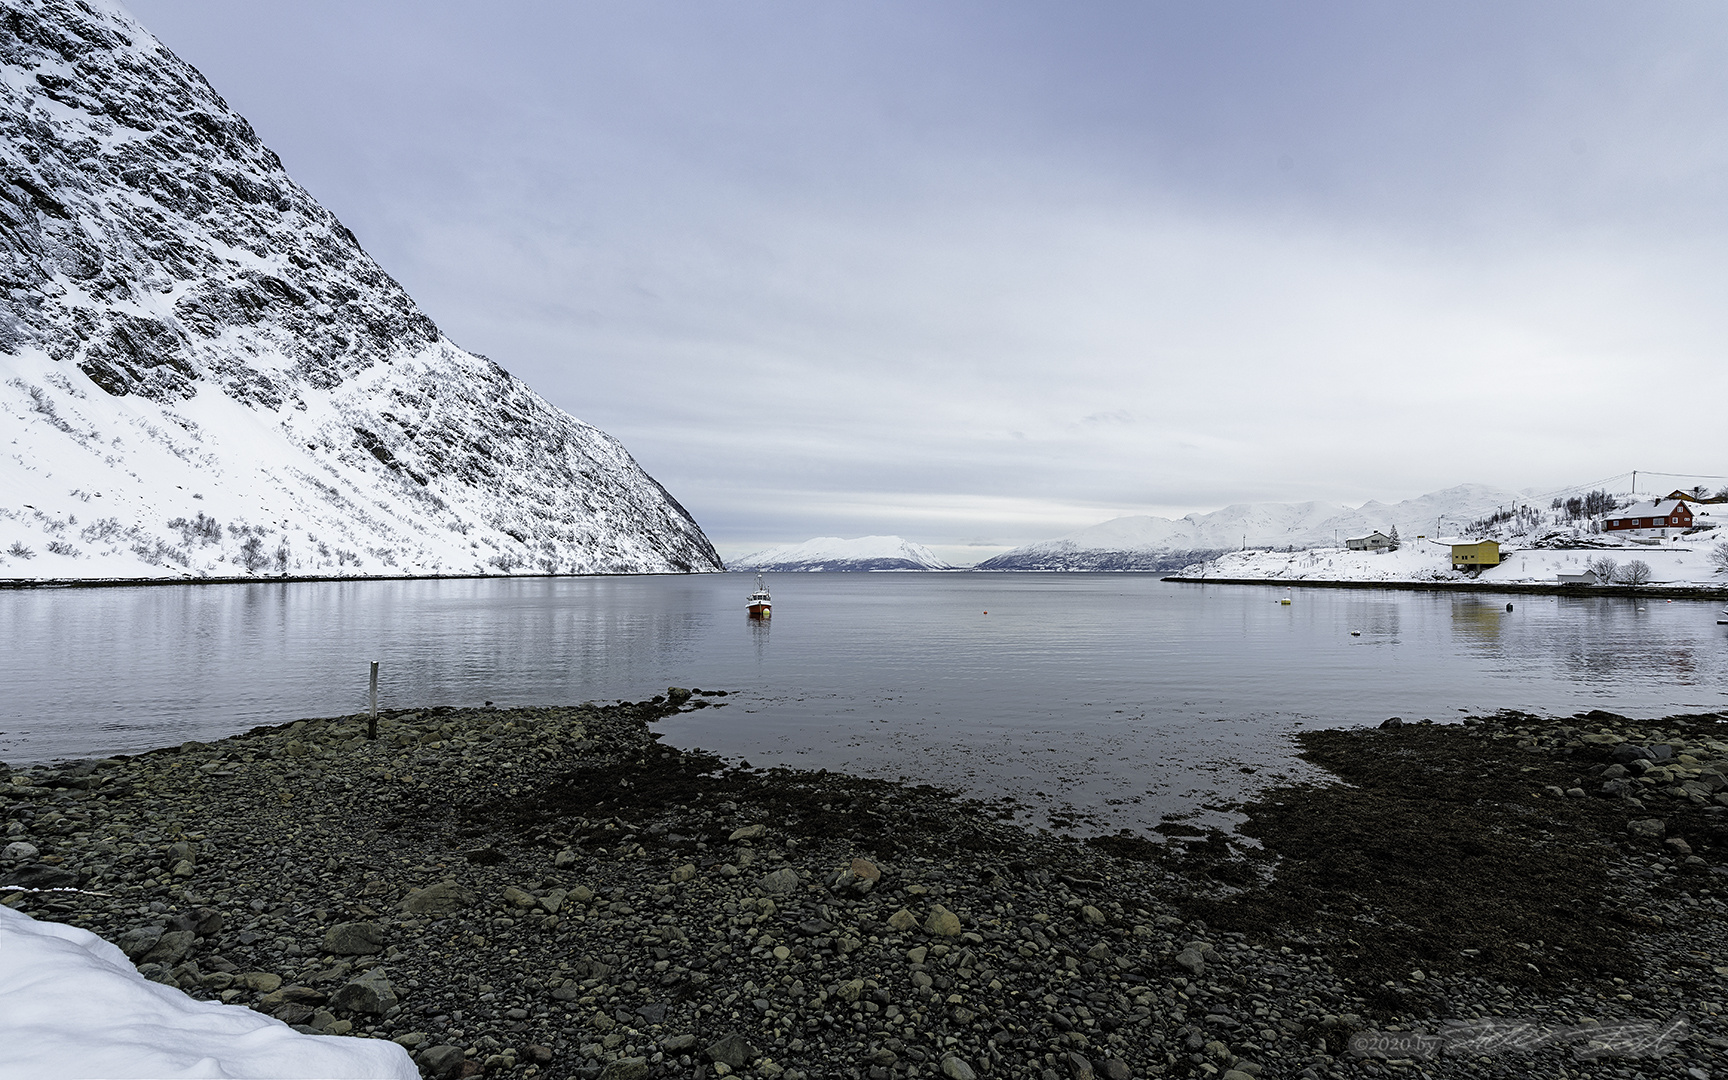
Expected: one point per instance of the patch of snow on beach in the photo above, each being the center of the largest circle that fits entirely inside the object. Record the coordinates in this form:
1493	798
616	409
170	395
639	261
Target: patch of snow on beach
76	1007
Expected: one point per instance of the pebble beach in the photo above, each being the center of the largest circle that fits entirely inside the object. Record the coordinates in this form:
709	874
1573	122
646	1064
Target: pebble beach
551	892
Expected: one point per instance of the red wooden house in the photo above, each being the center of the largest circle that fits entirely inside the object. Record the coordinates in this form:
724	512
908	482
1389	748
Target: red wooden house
1663	514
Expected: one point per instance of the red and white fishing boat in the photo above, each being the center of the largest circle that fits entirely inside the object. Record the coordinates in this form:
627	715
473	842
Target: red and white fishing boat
761	607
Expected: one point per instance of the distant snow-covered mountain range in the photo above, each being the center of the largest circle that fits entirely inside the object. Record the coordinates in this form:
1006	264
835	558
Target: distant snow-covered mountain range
1155	543
202	373
833	553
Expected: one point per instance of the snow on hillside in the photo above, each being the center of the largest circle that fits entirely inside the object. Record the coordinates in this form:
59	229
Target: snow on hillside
1676	561
201	372
1154	543
833	553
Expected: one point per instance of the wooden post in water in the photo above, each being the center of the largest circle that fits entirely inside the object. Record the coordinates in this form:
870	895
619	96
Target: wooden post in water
372	721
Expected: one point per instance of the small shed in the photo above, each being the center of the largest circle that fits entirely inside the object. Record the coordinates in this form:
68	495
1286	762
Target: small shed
1582	577
1480	553
1374	541
1659	517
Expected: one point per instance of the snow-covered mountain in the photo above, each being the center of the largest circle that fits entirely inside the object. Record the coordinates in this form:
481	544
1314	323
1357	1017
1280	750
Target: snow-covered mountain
833	553
1154	543
202	373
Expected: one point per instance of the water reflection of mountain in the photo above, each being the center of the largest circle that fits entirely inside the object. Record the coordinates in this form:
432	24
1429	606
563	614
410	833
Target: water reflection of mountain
1382	622
1600	638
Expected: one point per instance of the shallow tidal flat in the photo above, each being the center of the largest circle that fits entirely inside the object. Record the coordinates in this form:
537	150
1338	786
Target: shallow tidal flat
551	892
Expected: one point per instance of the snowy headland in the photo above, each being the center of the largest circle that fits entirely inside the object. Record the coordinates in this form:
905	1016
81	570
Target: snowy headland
832	553
1684	563
1541	541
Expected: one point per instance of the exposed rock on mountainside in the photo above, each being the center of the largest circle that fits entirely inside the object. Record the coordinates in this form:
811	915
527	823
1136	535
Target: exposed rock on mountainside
832	553
202	373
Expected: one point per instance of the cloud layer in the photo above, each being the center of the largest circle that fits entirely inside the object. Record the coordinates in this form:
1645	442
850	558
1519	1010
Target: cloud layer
978	274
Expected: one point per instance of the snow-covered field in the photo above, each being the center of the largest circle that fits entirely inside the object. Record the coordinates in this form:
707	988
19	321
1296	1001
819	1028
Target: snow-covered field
72	1005
833	553
1676	562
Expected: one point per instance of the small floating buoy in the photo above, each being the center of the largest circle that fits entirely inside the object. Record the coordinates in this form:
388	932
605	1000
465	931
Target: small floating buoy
1508	607
986	613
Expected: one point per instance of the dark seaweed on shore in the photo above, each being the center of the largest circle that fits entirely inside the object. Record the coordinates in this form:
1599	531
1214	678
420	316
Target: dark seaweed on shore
634	780
1441	850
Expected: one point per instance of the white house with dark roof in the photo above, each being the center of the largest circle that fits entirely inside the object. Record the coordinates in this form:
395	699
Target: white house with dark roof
1374	541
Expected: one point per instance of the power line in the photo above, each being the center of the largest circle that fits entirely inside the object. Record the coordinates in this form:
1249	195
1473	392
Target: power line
1684	475
1580	487
1606	480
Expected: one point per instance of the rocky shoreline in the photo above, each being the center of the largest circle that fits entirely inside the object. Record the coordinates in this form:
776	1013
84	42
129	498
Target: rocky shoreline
21	583
1526	588
552	893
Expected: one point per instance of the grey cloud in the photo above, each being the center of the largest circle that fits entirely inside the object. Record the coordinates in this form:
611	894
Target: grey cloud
891	267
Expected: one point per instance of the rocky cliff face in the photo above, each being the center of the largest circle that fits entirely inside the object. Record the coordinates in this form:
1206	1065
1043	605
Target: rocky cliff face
201	372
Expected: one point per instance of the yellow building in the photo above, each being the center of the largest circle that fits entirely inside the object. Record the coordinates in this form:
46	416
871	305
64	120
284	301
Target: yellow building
1481	553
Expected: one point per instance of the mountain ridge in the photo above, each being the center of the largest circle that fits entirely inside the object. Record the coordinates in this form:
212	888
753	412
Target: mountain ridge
189	337
832	553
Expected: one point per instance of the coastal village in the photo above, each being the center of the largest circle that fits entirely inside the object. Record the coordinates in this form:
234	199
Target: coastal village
1674	542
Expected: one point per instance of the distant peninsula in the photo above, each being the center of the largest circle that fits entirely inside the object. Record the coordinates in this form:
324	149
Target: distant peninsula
831	553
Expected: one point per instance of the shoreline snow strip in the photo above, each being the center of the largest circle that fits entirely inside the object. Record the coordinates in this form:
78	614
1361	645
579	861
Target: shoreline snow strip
1662	592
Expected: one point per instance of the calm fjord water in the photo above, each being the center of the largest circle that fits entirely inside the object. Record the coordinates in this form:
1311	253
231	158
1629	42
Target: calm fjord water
1116	694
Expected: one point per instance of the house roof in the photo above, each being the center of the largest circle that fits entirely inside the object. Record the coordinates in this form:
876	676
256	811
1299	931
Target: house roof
1687	496
1659	508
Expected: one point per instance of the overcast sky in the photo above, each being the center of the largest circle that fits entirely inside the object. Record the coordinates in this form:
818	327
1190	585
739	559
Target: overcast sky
983	273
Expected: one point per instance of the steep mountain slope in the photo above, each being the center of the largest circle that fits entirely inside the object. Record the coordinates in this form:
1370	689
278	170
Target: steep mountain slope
202	373
1154	543
833	553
